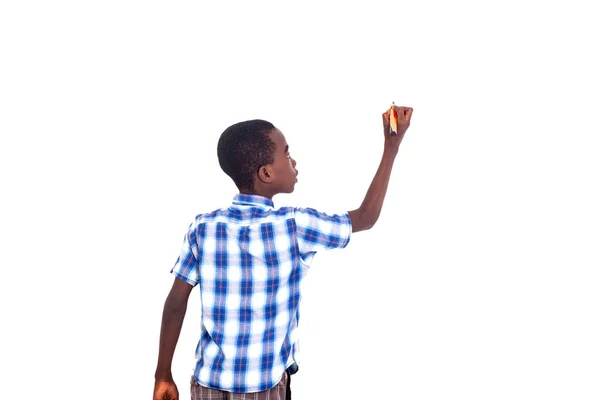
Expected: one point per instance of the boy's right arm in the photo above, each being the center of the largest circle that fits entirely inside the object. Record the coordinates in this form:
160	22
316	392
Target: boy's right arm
172	320
367	214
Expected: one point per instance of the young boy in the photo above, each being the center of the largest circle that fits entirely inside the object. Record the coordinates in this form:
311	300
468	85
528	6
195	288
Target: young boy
249	260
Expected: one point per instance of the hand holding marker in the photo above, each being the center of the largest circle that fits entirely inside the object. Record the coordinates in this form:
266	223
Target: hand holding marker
397	120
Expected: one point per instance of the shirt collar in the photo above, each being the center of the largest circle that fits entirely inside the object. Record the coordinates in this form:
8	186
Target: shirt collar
252	200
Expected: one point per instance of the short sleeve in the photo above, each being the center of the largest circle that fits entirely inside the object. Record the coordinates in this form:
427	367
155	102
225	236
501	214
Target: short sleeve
317	230
186	267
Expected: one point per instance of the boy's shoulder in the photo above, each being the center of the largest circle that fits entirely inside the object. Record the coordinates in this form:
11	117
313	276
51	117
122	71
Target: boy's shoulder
235	214
252	209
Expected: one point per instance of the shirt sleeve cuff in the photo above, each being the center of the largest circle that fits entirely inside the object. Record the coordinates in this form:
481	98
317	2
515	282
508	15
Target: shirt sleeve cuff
184	278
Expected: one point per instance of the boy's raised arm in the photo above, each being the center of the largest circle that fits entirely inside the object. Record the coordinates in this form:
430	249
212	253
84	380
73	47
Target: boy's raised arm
172	320
367	214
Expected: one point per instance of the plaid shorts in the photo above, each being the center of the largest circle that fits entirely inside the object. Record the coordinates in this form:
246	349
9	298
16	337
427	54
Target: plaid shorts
281	391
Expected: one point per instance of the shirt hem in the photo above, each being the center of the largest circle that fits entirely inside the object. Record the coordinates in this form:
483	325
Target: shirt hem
288	364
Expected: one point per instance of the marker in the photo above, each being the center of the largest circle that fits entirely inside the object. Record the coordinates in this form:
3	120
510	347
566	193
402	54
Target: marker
393	121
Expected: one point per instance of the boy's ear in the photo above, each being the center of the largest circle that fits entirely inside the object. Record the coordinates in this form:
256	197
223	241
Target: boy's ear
265	174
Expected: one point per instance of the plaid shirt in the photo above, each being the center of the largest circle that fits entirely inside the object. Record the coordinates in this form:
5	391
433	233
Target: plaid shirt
249	260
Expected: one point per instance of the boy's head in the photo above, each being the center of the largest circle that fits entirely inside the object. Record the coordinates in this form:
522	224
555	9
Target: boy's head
256	157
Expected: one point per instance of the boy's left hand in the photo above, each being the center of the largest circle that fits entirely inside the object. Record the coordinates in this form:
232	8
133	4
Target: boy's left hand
165	390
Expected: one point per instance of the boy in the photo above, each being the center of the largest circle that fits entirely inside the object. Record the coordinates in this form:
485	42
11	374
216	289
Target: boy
249	260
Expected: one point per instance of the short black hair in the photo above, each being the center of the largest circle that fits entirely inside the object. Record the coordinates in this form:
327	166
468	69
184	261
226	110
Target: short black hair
243	148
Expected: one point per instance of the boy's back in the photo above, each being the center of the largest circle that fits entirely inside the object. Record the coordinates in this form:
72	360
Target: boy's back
249	260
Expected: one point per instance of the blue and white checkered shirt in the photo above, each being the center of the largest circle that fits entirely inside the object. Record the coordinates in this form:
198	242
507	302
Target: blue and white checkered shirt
249	260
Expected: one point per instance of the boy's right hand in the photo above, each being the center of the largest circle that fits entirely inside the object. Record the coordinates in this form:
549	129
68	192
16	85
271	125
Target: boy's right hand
165	390
404	116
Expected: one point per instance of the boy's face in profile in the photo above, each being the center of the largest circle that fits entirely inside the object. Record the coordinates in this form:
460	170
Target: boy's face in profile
284	166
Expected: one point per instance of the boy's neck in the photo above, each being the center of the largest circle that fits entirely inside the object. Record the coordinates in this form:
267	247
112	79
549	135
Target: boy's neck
258	193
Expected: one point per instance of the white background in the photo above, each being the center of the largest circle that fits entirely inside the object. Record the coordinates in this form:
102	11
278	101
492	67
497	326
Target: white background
480	281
